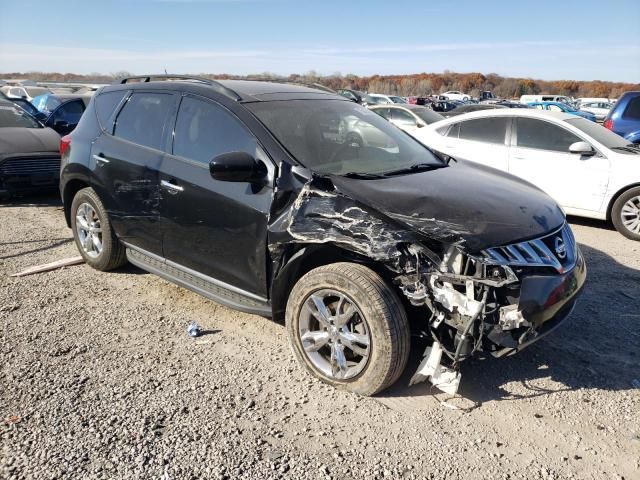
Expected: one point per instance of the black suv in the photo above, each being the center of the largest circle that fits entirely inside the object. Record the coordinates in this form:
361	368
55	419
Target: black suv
256	195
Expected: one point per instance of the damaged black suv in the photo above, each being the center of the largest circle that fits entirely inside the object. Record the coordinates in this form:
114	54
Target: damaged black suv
298	204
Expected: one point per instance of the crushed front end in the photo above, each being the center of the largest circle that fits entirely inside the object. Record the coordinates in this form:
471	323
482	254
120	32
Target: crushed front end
498	301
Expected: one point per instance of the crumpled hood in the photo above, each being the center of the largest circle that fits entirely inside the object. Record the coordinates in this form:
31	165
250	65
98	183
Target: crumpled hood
467	203
28	140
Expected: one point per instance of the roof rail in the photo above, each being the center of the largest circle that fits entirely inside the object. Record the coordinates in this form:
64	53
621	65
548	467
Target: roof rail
314	85
160	77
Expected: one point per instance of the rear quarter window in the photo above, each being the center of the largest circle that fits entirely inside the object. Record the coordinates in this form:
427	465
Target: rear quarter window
105	104
633	109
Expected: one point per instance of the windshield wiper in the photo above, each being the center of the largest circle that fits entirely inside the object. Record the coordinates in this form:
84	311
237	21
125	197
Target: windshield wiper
362	175
418	167
629	148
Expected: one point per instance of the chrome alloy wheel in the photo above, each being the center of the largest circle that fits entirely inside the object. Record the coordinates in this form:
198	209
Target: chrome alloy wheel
89	230
334	334
630	214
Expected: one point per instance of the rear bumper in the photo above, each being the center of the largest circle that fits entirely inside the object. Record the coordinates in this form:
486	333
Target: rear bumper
545	302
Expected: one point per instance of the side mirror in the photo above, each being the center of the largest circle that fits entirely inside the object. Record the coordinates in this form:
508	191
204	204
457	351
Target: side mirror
420	125
582	148
237	167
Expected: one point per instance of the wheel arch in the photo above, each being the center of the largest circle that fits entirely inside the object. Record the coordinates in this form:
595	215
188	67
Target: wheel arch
305	258
72	187
615	197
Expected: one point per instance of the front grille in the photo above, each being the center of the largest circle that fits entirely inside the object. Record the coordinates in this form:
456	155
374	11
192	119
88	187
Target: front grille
557	250
30	166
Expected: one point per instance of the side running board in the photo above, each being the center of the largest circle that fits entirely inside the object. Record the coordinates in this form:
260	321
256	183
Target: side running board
206	286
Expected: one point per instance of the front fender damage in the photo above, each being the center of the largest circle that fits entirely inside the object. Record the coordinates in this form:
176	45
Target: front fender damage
460	296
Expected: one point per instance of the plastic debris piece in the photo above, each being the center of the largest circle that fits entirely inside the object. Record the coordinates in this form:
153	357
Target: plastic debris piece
443	378
194	329
65	262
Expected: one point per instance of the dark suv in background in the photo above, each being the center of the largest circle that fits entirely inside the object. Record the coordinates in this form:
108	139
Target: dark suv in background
251	194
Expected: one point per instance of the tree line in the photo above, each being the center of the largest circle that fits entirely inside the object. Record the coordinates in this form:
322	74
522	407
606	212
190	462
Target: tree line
419	84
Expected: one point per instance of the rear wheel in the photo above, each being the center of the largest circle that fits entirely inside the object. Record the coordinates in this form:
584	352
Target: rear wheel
93	234
625	214
348	328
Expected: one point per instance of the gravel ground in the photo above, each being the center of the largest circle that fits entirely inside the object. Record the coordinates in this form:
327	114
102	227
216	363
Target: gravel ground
99	379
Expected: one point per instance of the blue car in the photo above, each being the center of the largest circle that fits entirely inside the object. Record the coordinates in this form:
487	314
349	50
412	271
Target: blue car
562	107
624	117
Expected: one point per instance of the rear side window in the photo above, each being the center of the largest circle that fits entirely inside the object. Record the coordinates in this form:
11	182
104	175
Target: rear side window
143	118
542	135
487	130
205	130
384	112
633	109
105	104
403	118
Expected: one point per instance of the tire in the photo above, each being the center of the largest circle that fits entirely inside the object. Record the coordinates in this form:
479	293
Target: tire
625	207
112	253
379	316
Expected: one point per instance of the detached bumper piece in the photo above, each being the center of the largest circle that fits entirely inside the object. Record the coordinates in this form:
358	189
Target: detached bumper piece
29	173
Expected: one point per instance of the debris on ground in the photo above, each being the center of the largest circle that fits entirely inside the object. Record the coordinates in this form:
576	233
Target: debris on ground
65	262
194	329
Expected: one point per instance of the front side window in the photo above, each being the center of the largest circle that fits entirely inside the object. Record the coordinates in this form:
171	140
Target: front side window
143	118
554	108
338	137
205	130
543	135
69	112
14	116
486	130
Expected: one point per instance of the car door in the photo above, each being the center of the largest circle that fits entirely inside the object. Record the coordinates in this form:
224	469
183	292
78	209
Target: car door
217	228
65	117
540	154
125	161
480	140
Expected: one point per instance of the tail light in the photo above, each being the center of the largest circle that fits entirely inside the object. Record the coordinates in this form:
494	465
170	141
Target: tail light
65	144
608	123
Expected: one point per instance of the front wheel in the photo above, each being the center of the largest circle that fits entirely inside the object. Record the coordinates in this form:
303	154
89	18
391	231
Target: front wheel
348	328
93	234
625	214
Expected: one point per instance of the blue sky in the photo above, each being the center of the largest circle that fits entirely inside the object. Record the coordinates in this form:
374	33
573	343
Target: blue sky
566	39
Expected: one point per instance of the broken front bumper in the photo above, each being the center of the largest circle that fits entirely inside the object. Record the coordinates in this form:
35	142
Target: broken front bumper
545	302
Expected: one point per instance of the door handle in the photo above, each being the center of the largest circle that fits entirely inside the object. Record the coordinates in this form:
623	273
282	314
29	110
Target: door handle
519	157
100	159
172	187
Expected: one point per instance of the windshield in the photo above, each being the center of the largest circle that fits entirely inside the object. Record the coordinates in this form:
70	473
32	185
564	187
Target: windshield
338	137
14	116
397	100
598	133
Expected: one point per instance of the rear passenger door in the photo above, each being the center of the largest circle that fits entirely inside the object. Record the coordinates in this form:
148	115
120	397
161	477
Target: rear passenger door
217	228
125	161
480	140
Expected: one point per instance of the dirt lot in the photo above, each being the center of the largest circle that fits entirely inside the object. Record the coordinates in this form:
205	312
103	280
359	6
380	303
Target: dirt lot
99	379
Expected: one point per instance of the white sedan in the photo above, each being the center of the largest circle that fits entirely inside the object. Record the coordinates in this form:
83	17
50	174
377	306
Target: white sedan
599	109
589	170
455	95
